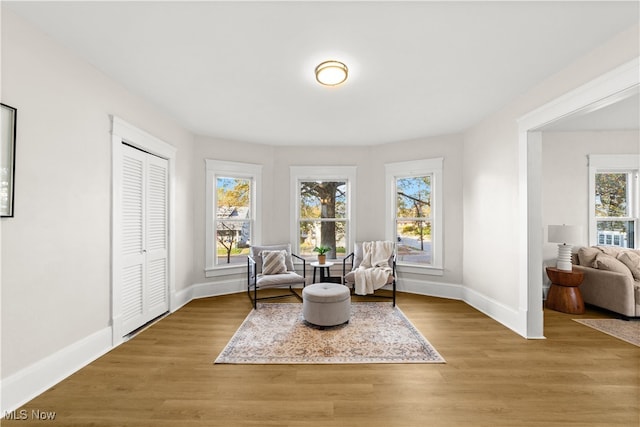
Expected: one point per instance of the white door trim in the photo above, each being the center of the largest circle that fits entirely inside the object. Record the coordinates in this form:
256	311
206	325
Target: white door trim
605	90
123	132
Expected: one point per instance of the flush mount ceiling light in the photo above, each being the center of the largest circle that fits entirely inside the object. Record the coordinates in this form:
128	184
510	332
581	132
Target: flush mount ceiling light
331	73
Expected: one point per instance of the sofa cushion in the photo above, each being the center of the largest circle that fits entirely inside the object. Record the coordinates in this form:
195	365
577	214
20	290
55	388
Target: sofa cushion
350	277
587	256
632	260
610	250
607	262
288	278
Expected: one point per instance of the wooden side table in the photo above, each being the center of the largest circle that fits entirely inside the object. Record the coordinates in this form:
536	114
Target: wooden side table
564	294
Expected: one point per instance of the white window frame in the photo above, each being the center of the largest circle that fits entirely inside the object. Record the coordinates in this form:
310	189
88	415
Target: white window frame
614	163
416	168
322	173
221	168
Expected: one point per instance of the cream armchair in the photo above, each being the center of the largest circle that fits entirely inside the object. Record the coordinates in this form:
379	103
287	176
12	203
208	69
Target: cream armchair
354	260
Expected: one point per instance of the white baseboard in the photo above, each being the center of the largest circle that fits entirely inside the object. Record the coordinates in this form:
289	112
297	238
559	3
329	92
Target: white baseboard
218	288
499	312
180	299
208	289
24	385
432	289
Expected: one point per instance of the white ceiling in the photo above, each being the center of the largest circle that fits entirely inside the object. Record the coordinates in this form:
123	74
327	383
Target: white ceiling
244	70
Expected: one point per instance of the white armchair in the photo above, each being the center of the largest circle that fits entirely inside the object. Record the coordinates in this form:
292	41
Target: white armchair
272	267
353	261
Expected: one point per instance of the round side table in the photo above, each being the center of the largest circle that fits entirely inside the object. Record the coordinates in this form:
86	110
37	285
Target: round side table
324	271
564	294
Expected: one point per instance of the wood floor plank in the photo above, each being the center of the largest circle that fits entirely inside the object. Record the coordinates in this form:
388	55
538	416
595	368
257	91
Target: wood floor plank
165	376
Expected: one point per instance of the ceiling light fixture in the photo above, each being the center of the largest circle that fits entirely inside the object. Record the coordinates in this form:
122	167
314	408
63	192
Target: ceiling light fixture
331	73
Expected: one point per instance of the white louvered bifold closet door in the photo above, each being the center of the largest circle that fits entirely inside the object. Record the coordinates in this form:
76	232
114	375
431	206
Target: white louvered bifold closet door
144	238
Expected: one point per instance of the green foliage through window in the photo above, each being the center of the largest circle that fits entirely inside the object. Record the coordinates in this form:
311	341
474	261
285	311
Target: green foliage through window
413	218
613	209
233	219
323	213
611	194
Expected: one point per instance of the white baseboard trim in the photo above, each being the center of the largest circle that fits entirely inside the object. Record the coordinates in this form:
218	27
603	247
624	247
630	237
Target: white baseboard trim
180	299
26	384
429	288
218	288
208	289
499	312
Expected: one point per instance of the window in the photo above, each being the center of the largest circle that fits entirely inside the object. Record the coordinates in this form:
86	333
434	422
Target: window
232	205
323	210
414	200
613	200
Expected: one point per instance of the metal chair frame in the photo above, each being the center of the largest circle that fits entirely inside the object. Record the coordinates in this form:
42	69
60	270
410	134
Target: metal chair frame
353	285
252	282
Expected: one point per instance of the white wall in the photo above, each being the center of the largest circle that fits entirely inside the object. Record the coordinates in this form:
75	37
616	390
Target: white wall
56	286
491	233
55	252
234	151
492	216
450	148
565	176
370	198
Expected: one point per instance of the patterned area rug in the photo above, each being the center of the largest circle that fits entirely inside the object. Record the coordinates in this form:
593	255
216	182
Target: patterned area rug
626	330
376	333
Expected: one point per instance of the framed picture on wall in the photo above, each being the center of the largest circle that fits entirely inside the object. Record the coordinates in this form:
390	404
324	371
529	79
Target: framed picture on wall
7	158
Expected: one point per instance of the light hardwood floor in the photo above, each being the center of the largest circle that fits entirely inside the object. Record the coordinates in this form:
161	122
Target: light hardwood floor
165	376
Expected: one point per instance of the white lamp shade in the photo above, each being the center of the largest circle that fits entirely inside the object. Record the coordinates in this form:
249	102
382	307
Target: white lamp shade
566	234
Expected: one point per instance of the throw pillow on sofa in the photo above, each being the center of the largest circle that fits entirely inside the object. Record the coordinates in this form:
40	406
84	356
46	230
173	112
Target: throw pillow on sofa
613	251
607	262
631	259
587	256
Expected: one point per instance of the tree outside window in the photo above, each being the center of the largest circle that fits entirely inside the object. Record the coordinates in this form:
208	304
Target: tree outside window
233	219
323	216
414	200
414	219
613	209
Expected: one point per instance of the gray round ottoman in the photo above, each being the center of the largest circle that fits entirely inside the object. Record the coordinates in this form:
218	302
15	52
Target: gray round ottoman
326	304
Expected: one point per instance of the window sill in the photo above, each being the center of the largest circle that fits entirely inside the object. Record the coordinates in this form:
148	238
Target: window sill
402	268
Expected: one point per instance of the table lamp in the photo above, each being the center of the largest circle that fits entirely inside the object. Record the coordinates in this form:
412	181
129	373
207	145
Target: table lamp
564	236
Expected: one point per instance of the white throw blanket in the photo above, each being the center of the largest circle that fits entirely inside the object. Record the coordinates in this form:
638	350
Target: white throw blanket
374	270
